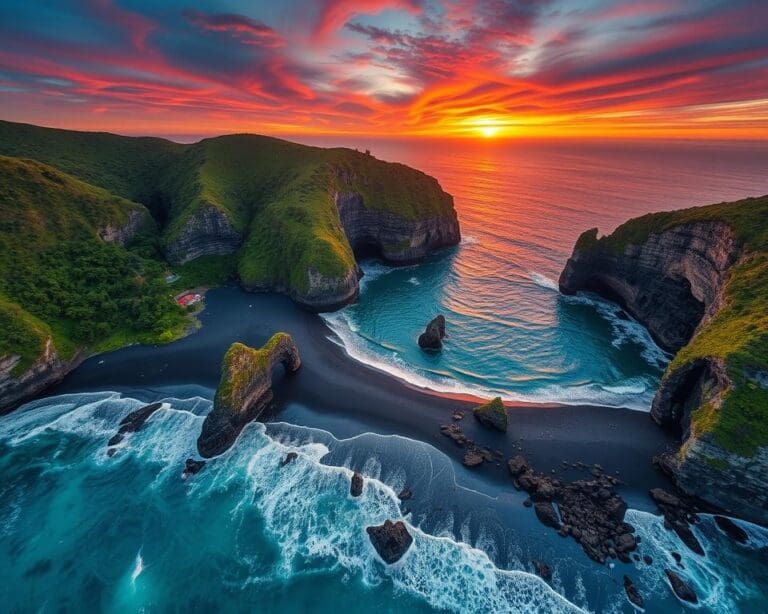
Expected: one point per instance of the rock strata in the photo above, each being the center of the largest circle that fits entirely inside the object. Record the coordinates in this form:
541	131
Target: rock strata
492	414
47	370
433	335
391	540
680	587
207	232
244	391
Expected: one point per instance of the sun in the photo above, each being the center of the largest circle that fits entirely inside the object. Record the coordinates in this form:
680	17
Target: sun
489	131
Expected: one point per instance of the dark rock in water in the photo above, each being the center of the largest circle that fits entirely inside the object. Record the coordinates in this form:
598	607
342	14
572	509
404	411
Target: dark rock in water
731	529
458	415
405	494
677	557
517	465
681	588
633	595
192	467
432	337
244	391
528	502
289	458
542	569
111	452
647	559
132	423
546	513
492	414
390	539
356	485
687	537
625	542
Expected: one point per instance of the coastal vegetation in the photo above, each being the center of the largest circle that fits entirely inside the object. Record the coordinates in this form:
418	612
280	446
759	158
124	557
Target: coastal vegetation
60	280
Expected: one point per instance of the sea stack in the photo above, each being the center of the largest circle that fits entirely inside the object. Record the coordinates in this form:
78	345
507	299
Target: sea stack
244	391
391	540
432	337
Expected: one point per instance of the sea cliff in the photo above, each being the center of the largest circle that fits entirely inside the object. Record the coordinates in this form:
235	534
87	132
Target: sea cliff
698	280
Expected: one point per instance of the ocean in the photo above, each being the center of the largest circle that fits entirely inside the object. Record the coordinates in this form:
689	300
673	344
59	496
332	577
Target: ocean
82	531
521	209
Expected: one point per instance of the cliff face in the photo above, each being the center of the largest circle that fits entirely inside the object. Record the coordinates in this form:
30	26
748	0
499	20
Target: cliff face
207	232
695	286
244	391
122	234
670	282
396	238
47	370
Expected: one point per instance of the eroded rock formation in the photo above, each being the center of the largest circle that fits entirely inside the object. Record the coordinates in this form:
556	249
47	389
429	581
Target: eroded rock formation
394	238
244	391
433	335
207	232
391	540
674	281
47	370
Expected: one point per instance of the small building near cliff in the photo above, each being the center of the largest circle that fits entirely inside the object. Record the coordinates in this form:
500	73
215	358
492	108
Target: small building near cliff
185	300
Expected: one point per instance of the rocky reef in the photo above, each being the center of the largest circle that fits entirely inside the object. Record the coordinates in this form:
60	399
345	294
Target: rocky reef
697	279
244	391
391	540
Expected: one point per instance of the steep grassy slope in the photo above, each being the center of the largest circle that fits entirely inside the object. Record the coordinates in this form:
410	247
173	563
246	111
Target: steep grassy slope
269	202
60	278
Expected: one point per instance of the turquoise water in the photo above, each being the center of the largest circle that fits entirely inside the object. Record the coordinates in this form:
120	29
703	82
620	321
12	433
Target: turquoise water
521	208
81	531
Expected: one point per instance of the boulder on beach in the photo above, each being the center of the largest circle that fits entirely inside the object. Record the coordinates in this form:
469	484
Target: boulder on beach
492	414
244	391
391	540
433	335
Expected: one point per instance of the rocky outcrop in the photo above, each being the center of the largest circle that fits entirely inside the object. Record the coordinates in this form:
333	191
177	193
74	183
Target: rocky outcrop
669	282
394	238
244	391
207	232
433	335
680	587
356	485
122	235
133	422
492	414
674	278
47	370
391	540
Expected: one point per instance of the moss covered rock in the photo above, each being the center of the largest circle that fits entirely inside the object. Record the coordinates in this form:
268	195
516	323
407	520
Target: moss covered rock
492	414
245	390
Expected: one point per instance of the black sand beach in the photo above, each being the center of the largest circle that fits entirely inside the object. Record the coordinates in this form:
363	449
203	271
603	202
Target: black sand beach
336	393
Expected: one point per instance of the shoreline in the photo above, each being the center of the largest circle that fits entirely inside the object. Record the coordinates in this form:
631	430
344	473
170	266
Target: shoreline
332	387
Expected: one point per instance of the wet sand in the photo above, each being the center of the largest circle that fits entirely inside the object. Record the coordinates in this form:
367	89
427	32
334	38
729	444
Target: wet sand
336	393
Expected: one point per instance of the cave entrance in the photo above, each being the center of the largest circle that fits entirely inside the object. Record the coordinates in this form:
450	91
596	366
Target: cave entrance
367	250
159	208
687	397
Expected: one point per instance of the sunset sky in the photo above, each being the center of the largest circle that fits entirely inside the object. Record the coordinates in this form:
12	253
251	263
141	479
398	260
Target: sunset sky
476	68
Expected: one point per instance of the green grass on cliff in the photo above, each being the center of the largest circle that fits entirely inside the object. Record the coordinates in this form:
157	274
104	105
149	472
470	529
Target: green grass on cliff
241	366
738	333
59	280
278	195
